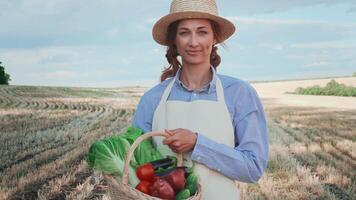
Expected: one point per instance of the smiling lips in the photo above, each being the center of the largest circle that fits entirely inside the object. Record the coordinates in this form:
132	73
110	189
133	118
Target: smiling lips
195	52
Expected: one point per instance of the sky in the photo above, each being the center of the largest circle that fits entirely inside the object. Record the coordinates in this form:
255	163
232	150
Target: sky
108	43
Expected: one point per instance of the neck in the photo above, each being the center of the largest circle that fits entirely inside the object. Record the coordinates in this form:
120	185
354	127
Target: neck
195	76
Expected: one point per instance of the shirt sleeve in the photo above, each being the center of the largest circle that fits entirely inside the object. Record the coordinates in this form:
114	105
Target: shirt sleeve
248	160
143	115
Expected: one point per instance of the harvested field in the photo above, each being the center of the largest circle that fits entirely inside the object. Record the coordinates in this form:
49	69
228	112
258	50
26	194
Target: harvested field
45	133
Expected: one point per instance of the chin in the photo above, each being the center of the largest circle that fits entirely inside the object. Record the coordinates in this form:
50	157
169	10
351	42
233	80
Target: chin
193	61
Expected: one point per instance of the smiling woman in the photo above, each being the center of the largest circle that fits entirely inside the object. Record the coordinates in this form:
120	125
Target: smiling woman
180	38
216	121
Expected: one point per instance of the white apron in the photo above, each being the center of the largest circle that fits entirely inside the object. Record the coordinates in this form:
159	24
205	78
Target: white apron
210	118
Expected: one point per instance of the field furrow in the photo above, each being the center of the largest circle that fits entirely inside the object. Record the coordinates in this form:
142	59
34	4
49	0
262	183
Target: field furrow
317	146
45	133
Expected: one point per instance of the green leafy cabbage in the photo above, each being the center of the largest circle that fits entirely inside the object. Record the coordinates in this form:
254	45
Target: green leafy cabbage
108	155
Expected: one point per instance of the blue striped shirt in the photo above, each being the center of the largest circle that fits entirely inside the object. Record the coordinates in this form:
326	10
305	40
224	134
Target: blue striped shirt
248	160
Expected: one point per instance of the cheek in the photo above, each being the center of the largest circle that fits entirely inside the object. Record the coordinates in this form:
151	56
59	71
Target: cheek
208	48
180	45
208	45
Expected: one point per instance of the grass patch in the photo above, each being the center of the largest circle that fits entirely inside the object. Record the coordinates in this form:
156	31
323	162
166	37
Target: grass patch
333	88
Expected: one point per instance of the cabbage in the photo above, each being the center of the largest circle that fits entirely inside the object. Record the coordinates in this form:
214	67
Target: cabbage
108	156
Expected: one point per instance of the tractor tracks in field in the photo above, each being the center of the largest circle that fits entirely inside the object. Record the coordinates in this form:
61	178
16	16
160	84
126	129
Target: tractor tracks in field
45	138
320	154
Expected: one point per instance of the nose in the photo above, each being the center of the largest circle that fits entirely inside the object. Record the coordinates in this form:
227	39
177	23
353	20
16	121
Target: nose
193	40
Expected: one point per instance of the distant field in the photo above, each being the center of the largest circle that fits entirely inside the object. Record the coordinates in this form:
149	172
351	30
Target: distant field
278	94
46	131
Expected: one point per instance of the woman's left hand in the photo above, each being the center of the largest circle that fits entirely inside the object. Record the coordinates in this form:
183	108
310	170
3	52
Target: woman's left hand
180	140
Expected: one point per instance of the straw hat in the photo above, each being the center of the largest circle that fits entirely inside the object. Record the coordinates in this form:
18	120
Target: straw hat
191	9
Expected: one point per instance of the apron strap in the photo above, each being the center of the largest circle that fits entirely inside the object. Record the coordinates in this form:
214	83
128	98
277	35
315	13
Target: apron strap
219	91
167	91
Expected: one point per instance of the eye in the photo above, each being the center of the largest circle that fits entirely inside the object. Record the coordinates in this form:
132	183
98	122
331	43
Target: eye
203	32
183	33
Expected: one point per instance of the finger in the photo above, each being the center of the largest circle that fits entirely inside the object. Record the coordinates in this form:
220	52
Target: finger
173	148
175	130
168	140
169	132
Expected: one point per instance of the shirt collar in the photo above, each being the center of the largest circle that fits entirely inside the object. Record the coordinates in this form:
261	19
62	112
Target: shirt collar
208	88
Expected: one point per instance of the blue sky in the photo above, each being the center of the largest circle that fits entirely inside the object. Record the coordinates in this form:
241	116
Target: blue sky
109	43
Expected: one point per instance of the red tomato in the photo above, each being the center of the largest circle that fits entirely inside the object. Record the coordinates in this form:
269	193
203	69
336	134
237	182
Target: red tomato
145	172
144	186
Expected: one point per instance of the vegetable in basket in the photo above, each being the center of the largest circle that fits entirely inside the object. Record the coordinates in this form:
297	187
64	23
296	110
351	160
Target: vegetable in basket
162	189
144	186
191	183
148	170
162	176
184	194
108	155
176	179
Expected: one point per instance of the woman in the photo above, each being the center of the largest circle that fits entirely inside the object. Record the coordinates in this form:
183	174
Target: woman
217	121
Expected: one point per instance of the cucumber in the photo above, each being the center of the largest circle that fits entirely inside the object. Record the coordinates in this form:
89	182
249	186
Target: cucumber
184	194
191	183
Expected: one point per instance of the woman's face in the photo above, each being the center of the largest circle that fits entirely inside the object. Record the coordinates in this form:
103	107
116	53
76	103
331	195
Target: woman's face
194	40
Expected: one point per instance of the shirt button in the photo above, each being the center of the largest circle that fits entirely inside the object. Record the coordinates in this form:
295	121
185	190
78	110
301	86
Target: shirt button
218	170
198	157
195	94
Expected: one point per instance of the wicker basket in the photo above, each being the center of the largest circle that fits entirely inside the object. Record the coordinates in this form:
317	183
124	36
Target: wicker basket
121	190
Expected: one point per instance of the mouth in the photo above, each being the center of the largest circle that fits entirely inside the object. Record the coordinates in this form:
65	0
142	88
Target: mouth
192	52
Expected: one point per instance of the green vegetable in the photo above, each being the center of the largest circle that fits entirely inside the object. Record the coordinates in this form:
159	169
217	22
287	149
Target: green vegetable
160	171
145	152
107	155
191	183
131	134
184	194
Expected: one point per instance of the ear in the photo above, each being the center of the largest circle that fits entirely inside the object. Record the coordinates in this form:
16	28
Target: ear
214	43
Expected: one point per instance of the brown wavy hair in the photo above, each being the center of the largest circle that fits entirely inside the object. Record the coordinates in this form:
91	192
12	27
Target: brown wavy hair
172	52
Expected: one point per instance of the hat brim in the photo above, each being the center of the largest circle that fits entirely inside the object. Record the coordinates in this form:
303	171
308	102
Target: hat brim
160	28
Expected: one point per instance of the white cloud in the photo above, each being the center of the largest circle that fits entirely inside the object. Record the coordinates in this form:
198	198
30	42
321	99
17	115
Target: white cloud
152	20
55	56
58	75
281	22
114	32
142	28
324	45
258	6
273	46
144	83
257	21
317	64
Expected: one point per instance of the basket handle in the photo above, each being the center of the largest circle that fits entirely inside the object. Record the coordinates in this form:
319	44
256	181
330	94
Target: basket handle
125	174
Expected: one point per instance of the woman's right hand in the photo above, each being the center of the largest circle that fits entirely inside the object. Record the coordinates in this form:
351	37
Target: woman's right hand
181	140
